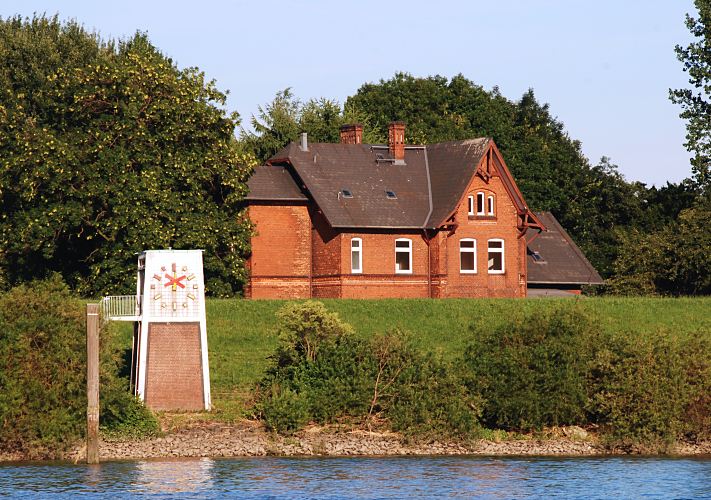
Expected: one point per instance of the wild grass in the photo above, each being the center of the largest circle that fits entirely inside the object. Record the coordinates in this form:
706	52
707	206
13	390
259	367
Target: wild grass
241	333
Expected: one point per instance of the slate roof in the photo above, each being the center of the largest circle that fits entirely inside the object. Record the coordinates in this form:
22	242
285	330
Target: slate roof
562	261
428	185
273	182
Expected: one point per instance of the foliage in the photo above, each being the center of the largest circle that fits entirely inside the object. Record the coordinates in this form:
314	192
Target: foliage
654	389
43	373
281	121
532	371
341	375
696	102
304	328
674	260
109	149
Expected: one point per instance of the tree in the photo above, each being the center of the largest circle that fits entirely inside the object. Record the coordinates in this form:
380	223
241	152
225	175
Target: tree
109	149
696	102
281	121
674	260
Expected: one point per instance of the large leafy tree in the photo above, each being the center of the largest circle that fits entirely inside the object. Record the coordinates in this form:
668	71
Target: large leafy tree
108	149
282	120
673	260
696	102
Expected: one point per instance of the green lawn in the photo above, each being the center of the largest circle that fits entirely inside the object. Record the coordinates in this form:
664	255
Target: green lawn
241	332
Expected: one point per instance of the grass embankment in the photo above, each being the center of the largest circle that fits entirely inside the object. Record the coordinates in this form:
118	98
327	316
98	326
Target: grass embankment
241	333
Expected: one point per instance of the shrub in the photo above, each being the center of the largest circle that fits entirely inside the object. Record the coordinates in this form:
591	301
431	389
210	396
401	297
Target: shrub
42	368
43	372
322	373
654	389
532	372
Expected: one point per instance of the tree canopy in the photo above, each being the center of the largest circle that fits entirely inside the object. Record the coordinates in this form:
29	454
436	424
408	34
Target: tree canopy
109	149
696	102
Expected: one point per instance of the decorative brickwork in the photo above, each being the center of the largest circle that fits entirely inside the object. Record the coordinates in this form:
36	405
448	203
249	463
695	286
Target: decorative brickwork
174	368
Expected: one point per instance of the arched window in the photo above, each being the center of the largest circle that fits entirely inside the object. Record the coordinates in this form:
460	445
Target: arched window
480	210
403	256
496	256
467	256
356	255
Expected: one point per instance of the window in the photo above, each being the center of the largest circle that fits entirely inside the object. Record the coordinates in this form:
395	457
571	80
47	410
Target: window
470	205
356	255
390	195
480	204
490	205
496	257
537	257
467	256
346	193
403	256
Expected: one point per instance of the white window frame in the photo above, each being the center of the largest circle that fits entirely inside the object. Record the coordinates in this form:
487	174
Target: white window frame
496	250
470	205
490	205
409	253
357	248
467	250
481	196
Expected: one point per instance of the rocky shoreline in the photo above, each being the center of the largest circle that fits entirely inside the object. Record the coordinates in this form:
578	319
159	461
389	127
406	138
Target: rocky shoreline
249	439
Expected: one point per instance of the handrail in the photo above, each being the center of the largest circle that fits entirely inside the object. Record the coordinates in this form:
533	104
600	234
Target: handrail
118	307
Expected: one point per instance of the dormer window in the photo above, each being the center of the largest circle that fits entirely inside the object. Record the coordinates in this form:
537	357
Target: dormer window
480	210
390	195
346	193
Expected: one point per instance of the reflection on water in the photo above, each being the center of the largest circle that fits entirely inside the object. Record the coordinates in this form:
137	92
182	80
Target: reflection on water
505	477
173	477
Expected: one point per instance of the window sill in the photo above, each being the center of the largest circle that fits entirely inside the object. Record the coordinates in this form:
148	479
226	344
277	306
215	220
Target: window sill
467	272
497	272
482	217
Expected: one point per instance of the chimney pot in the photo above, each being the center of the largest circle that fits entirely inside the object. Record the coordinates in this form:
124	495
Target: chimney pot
396	140
352	134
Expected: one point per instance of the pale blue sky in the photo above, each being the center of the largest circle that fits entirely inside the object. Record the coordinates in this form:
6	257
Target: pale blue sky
605	66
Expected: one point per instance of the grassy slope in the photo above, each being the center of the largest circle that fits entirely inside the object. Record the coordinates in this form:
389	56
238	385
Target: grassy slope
241	333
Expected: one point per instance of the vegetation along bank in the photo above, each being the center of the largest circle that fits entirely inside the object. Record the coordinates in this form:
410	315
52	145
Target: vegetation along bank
633	374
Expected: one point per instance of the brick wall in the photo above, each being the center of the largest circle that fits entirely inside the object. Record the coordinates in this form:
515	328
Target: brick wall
326	245
280	263
378	279
501	226
174	367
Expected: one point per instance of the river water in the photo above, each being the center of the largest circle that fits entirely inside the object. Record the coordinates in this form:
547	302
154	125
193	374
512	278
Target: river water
404	477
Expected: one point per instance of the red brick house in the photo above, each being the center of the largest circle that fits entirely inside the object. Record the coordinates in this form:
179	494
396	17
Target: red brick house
355	220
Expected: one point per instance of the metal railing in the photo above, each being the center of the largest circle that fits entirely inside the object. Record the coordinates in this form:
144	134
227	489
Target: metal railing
121	307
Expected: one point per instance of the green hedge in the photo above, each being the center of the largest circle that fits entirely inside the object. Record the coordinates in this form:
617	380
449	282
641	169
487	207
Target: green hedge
322	373
538	369
43	373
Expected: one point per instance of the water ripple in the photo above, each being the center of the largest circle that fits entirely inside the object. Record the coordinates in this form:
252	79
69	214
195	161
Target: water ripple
371	477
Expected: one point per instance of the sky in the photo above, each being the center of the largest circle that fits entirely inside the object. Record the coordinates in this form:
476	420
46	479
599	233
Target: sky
604	66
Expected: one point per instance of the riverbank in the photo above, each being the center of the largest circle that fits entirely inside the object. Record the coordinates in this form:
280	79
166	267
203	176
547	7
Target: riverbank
250	438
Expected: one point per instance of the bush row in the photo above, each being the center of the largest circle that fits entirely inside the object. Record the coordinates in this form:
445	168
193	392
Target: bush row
551	368
43	373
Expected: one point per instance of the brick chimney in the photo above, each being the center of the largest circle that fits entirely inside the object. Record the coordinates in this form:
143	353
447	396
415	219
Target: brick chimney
352	134
396	140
